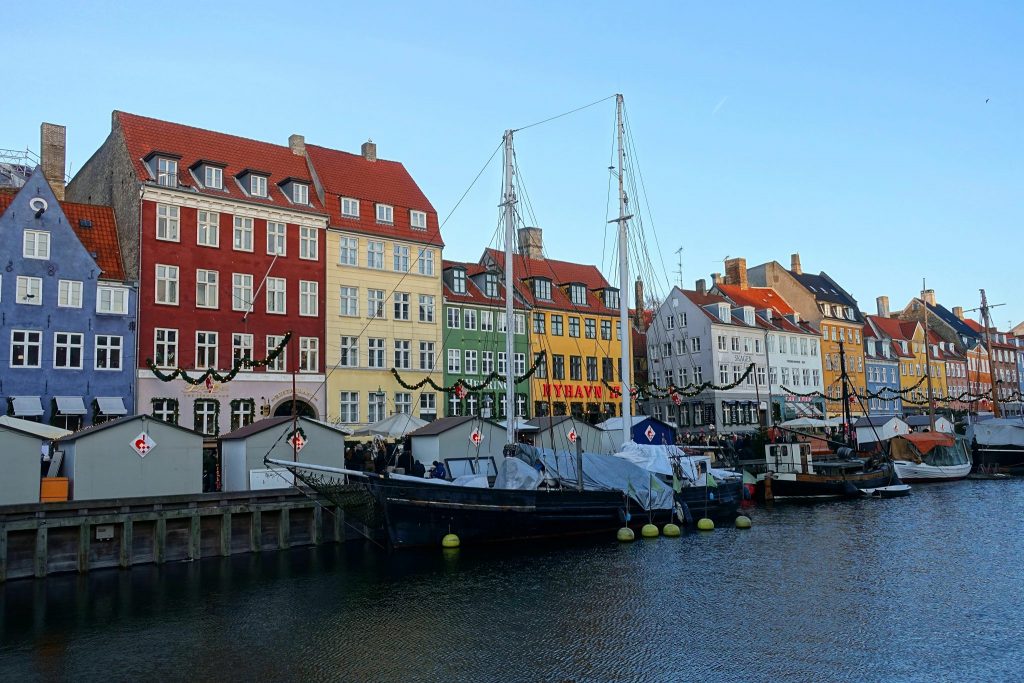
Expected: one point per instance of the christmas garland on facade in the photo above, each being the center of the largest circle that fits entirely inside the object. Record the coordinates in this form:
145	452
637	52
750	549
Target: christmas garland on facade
461	386
650	390
888	393
210	373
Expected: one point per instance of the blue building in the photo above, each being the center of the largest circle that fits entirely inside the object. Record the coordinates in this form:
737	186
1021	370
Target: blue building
881	371
67	348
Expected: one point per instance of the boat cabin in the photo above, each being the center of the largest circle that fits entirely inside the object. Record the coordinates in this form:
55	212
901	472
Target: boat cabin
790	458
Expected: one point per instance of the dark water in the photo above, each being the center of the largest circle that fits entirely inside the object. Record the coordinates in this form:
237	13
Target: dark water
926	588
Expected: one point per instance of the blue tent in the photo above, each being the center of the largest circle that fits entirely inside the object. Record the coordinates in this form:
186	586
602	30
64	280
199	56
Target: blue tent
646	429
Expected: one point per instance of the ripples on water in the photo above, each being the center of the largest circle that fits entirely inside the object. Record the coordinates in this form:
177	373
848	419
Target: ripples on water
925	588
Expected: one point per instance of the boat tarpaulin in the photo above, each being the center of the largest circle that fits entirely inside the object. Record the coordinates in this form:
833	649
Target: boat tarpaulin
111	405
999	432
70	405
27	406
925	441
658	458
513	473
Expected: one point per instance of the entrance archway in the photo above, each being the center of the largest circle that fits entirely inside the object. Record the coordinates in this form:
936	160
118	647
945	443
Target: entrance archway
302	409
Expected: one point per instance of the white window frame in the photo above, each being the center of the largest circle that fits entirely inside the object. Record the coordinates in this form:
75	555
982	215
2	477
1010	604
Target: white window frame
375	254
376	348
470	361
257	185
348	352
376	304
167	276
166	172
168	223
241	284
309	298
279	364
348	301
207	281
349	207
309	354
425	261
242	234
401	258
104	346
300	193
169	343
417	219
205	409
208	222
348	407
213	177
206	349
348	251
428	355
114	305
402	306
427	307
277	296
30	339
459	281
242	346
403	354
277	238
68	342
309	243
69	293
35	244
385	214
454	361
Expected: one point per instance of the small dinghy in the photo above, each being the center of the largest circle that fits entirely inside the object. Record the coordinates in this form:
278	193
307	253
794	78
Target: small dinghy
894	491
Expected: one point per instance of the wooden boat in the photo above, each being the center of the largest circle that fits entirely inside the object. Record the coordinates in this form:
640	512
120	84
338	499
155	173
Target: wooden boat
929	456
792	472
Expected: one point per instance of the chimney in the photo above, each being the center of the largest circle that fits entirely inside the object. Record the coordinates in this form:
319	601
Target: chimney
52	152
369	149
702	286
929	296
531	242
958	311
794	264
883	306
716	279
297	144
736	272
638	304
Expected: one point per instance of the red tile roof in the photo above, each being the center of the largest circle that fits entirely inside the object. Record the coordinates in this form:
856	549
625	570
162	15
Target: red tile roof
758	297
100	239
144	135
894	327
560	273
473	293
974	326
343	174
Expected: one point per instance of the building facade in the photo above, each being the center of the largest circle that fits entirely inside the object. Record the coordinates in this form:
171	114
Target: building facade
881	369
67	350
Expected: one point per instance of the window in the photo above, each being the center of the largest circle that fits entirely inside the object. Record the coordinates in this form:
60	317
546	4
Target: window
695	344
67	350
486	321
206	415
471	365
309	298
734	343
578	294
520	322
165	410
349	407
454	318
375	254
35	244
69	294
426	308
376	406
746	345
426	261
300	193
486	362
375	303
206	288
680	346
257	185
723	374
26	346
348	251
458	281
591	367
309	354
349	352
401	260
206	350
276	238
111	300
670	322
538	323
243	411
557	366
167	285
374	353
108	352
242	234
241	349
556	325
213	177
502	365
241	292
309	243
428	405
385	214
276	295
608	369
401	306
491	285
427	357
502	322
208	228
721	342
590	328
349	207
611	298
606	329
454	361
166	172
542	289
349	301
469	319
574	326
403	402
418	220
165	347
167	222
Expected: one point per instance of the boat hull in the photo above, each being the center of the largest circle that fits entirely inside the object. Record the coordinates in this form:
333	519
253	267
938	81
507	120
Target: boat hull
920	472
812	486
1007	459
720	503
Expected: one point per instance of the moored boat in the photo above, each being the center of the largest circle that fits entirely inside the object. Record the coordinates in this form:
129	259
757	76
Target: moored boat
998	445
929	456
791	471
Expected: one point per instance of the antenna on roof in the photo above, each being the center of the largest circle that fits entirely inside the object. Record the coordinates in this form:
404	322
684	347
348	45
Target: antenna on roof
679	269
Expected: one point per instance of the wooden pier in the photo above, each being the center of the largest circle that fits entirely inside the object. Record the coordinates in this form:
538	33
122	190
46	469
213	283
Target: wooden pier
79	536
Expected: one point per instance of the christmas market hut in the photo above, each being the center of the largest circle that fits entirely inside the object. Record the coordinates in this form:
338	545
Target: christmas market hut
646	430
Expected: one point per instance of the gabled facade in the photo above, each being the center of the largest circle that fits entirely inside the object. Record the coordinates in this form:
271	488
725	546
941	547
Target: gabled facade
67	349
882	369
474	341
917	359
226	238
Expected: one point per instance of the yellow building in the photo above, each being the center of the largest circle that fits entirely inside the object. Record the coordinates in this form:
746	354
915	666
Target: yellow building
574	318
383	285
915	358
836	329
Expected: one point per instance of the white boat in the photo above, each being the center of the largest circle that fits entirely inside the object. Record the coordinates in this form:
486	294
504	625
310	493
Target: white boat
929	456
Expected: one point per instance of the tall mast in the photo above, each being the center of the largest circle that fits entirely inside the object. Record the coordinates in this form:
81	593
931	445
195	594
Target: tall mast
846	393
509	202
623	221
988	342
928	359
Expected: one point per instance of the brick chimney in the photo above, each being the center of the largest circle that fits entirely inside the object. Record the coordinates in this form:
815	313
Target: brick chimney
702	286
736	272
369	150
883	306
958	311
52	152
794	264
531	242
929	296
297	144
716	279
638	304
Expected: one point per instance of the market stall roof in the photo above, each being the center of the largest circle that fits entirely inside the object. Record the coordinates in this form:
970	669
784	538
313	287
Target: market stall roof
395	426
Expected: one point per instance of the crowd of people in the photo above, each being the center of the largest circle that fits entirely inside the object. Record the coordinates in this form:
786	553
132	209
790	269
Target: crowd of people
379	456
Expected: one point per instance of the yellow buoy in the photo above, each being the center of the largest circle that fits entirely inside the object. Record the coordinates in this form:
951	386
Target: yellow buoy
649	531
705	524
671	530
625	534
450	541
743	522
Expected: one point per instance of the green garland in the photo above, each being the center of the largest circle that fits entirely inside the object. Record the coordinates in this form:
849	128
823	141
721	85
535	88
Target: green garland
173	402
235	405
466	385
216	416
650	390
211	373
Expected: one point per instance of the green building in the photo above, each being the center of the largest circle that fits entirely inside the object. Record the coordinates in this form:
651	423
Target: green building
474	341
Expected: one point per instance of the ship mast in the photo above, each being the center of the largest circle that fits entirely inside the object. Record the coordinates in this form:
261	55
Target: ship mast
509	202
623	221
928	359
988	342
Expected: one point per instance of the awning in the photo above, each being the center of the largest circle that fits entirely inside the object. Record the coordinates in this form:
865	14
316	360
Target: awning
111	405
27	406
70	405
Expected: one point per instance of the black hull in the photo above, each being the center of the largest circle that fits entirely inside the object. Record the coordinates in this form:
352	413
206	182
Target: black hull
720	503
420	514
1006	459
819	486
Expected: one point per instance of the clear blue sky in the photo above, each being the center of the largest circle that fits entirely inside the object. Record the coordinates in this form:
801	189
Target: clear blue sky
857	134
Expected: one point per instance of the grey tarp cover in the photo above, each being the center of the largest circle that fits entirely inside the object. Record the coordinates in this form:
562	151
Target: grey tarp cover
657	458
999	431
514	473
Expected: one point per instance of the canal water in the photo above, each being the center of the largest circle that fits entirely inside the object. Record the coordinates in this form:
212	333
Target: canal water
924	588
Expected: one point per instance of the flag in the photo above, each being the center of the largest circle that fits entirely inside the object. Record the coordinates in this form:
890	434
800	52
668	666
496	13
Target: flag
677	485
709	481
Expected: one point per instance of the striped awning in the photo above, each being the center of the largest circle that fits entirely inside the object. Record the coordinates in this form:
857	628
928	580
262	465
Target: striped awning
111	405
70	405
27	406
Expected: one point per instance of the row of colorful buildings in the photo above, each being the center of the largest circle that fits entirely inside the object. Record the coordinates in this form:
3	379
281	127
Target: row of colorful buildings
320	274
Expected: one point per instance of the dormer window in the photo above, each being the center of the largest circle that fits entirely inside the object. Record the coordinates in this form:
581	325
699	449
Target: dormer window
542	289
213	177
257	185
349	207
300	193
491	285
578	295
166	172
418	220
611	298
385	214
459	281
724	313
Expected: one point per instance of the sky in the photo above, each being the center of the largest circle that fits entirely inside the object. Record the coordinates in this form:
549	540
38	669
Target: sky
882	141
